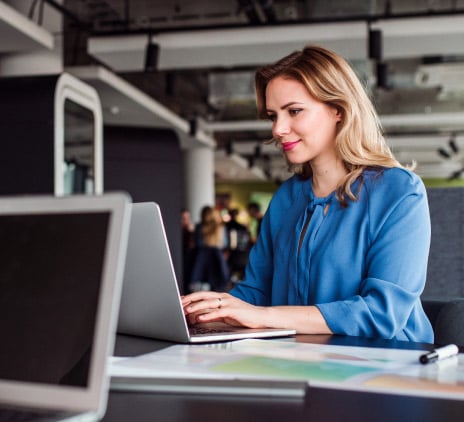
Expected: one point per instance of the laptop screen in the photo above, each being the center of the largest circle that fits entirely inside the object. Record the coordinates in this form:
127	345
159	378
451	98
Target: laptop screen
50	272
61	267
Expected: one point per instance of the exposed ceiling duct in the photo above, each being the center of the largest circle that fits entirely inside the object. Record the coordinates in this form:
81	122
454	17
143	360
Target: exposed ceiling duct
198	60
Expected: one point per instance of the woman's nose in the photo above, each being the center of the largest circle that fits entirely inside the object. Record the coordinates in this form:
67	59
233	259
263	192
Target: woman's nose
280	128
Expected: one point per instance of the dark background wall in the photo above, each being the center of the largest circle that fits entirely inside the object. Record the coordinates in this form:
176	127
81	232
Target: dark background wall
27	134
147	163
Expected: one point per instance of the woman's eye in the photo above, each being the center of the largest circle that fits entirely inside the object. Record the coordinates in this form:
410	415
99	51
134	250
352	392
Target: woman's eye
271	117
294	111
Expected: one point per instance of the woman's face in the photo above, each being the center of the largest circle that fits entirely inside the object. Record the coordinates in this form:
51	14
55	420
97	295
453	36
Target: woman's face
306	128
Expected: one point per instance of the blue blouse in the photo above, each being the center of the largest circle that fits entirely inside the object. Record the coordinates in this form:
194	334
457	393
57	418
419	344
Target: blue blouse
364	266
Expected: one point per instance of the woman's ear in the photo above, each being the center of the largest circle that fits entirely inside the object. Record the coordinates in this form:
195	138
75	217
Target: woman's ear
338	114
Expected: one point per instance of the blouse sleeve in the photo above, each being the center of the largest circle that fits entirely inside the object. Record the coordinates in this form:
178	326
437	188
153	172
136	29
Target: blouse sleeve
256	286
396	263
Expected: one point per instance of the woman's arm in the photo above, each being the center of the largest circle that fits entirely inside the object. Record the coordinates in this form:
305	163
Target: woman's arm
200	307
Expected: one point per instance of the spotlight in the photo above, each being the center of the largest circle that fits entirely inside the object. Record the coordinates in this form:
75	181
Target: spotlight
375	44
382	75
193	125
443	153
456	174
151	57
453	145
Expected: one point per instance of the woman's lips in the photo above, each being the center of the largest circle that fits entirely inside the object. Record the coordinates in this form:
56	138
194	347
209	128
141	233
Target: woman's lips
287	146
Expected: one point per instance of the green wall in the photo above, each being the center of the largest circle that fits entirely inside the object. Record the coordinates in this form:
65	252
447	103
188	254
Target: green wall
241	193
443	183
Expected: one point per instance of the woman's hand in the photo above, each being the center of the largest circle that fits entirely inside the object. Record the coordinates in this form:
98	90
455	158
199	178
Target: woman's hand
206	306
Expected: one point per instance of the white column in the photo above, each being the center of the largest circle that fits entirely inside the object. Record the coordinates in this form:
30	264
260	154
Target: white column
199	179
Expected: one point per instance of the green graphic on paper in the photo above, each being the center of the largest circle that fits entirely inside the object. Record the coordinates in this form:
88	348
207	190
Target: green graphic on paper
291	369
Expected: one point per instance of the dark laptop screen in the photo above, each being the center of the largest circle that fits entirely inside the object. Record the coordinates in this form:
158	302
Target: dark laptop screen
50	272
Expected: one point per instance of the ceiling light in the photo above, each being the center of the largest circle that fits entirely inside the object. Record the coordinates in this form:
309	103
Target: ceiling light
228	47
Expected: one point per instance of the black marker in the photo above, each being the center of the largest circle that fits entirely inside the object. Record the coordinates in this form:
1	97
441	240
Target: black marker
439	354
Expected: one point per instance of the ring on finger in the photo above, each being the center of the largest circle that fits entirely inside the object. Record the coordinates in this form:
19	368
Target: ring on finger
220	303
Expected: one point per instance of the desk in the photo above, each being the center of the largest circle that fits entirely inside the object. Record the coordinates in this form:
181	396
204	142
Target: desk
320	404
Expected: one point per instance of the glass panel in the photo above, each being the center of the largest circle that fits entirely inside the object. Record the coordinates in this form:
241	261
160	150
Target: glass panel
79	153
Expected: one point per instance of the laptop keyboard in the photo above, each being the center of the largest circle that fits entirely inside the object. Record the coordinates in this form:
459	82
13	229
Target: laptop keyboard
207	330
16	415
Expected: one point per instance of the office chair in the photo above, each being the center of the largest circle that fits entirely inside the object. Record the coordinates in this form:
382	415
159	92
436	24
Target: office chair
447	319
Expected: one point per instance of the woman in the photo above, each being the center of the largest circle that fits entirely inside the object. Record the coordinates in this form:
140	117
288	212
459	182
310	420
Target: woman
209	271
344	244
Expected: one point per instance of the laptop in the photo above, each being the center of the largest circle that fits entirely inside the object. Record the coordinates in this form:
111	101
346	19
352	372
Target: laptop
151	303
62	262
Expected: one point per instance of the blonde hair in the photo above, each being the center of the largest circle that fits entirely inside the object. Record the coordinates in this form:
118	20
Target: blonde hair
212	227
330	79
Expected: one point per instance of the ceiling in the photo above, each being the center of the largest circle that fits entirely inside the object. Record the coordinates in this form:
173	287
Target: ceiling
203	55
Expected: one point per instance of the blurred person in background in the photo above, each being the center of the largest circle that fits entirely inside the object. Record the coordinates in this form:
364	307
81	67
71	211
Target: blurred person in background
238	246
210	270
188	246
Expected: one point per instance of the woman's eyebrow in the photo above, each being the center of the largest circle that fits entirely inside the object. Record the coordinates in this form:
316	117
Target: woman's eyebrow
289	104
283	107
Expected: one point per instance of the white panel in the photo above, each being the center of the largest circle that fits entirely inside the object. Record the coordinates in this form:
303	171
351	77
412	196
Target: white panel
228	47
68	87
417	37
124	104
17	32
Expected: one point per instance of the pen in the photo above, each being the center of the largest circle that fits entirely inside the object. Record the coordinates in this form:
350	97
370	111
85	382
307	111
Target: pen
439	354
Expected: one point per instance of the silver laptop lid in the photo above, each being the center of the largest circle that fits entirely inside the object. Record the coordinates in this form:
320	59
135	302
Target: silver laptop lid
150	302
60	284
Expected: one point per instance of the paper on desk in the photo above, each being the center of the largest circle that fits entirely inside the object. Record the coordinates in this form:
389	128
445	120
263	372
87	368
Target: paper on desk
370	369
